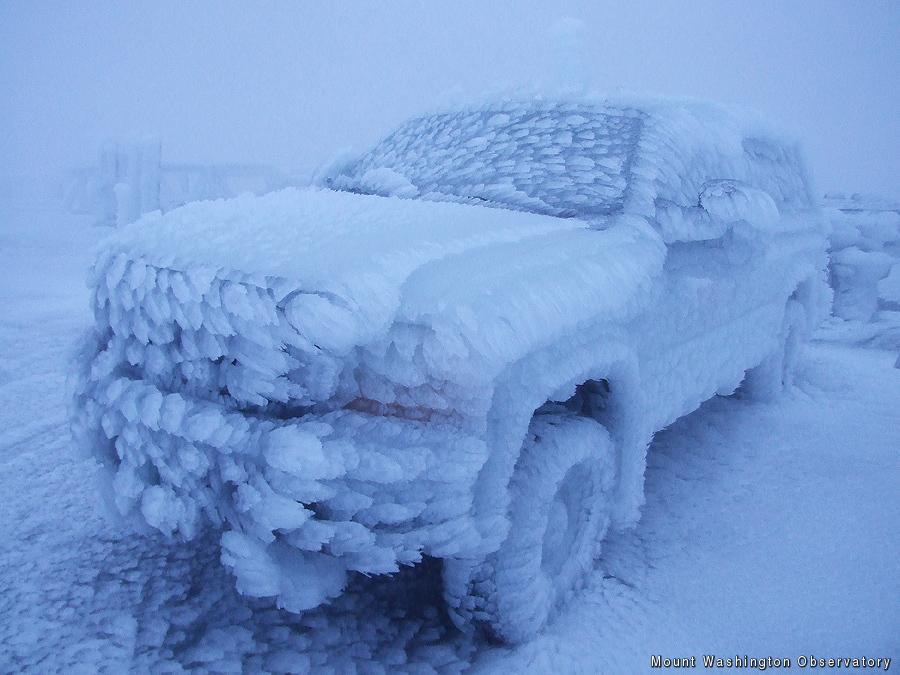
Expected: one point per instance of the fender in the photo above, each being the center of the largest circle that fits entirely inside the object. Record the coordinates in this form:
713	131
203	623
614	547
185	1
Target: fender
542	375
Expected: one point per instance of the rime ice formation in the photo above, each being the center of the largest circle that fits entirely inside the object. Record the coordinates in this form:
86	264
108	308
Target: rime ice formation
341	380
865	255
585	159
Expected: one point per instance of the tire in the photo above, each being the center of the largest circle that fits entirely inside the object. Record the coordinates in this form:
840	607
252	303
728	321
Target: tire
768	380
558	512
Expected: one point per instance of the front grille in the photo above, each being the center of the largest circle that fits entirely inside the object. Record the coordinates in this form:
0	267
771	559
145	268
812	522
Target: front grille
210	336
168	380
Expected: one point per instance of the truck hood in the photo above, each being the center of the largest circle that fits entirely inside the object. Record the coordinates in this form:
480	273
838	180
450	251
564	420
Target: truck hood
343	268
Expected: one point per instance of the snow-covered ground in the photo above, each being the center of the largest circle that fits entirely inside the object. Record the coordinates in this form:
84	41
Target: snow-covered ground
769	529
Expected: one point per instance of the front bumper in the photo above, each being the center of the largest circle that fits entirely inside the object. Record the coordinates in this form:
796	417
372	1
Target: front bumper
300	501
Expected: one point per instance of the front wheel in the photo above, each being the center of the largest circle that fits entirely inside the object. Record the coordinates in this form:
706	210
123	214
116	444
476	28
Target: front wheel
558	512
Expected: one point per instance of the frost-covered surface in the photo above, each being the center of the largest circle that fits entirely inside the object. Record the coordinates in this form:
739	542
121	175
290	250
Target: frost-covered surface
229	339
587	158
341	382
865	267
744	503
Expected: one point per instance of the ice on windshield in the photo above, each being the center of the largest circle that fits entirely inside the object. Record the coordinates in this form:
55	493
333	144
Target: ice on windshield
557	159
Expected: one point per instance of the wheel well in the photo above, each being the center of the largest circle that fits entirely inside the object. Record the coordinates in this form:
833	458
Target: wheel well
556	376
592	398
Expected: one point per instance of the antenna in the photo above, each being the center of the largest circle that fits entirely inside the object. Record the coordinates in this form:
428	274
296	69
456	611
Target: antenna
568	39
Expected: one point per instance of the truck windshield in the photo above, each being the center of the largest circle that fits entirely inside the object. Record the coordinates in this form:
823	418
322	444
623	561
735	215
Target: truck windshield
561	160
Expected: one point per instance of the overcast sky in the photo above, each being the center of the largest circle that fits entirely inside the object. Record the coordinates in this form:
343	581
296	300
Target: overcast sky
293	83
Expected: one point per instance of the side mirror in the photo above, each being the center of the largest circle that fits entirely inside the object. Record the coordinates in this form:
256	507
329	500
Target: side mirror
730	201
721	204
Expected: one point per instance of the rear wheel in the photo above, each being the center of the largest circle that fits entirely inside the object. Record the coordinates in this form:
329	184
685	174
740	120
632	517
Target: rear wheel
558	515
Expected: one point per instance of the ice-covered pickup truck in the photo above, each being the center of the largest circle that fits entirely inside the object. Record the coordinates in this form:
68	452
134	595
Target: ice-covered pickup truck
458	345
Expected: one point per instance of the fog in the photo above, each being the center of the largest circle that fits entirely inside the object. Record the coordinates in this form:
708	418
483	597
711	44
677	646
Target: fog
291	84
